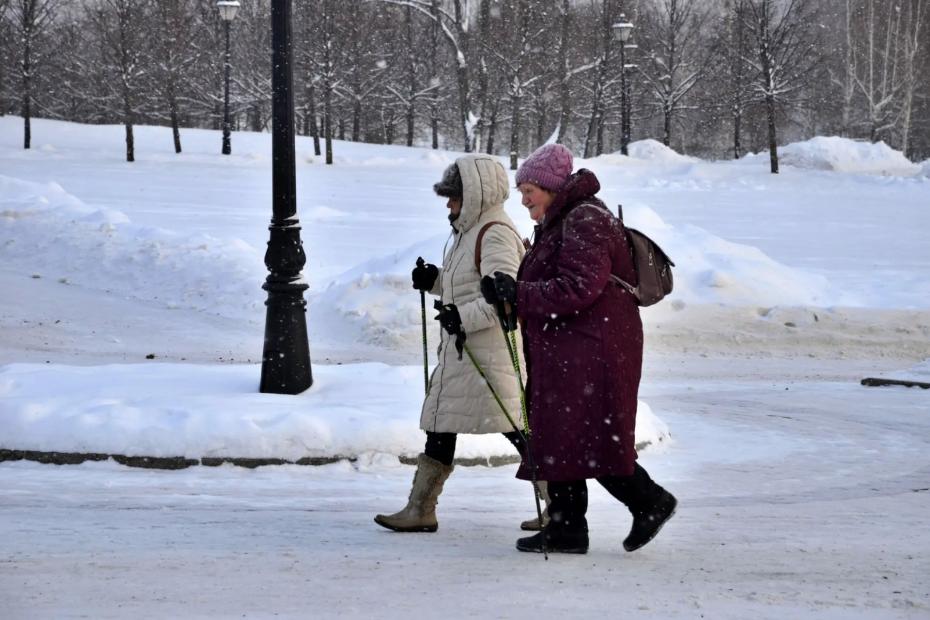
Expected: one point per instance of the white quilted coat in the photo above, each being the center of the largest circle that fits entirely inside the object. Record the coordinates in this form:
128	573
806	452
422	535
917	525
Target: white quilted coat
459	401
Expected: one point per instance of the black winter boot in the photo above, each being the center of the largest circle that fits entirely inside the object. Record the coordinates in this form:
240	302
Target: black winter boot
558	539
646	524
650	504
567	530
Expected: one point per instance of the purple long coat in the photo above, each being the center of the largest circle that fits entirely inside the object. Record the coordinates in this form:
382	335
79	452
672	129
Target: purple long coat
582	337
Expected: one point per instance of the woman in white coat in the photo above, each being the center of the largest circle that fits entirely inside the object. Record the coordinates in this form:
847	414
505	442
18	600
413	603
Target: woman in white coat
484	241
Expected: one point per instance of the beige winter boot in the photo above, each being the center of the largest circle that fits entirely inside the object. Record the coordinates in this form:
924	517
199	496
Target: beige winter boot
420	513
532	525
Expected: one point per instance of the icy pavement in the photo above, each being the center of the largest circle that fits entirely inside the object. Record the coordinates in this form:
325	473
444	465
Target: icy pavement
799	498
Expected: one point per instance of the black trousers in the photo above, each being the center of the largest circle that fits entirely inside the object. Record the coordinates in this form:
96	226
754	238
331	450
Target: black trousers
441	446
637	492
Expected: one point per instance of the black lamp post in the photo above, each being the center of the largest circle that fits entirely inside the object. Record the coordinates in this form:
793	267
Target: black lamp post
286	355
228	10
622	31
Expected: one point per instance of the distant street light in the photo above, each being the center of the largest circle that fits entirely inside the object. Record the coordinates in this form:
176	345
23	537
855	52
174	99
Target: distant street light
228	10
622	31
286	354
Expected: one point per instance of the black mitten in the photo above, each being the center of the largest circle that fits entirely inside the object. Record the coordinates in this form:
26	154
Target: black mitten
449	318
488	291
506	288
424	275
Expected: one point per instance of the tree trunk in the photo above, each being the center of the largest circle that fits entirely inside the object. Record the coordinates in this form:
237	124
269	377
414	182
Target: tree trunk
492	130
541	126
311	119
328	121
175	122
27	92
411	75
593	123
175	131
773	140
434	127
356	119
667	128
461	73
564	99
737	128
515	133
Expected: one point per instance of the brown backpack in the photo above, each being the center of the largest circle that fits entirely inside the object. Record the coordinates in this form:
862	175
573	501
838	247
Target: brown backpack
652	264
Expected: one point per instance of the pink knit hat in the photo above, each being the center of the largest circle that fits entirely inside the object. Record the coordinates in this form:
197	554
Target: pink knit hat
548	167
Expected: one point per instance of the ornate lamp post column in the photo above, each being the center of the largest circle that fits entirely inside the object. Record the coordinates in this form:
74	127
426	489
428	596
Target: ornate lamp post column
228	10
622	31
286	356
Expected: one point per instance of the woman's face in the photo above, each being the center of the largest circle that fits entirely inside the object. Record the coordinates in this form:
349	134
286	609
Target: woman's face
454	205
536	199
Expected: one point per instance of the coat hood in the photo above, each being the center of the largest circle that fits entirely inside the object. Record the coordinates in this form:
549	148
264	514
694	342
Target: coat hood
485	186
580	187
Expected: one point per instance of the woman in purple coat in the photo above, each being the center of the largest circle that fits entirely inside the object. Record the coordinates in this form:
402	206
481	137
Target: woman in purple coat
583	341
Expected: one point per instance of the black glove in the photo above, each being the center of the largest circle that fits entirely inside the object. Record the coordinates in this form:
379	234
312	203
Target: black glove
424	275
451	321
506	288
449	318
500	290
488	290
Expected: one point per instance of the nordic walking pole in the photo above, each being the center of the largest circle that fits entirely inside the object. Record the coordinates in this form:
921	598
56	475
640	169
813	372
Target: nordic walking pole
505	321
487	382
421	263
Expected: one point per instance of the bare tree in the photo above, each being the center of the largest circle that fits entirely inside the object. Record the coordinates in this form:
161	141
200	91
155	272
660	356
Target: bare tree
676	59
784	59
175	56
251	65
118	25
514	59
594	138
879	78
733	46
6	36
31	19
914	35
327	70
454	26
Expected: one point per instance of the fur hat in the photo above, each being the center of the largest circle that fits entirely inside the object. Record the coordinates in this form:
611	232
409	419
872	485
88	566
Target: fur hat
548	167
451	184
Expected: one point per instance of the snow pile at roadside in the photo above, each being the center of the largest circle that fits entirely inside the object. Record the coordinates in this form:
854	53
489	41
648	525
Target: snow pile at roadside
642	151
655	151
374	304
925	169
845	155
46	232
198	411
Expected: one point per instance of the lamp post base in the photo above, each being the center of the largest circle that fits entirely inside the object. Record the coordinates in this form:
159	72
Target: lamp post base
286	355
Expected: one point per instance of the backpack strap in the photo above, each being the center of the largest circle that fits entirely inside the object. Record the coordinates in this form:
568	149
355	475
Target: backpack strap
481	232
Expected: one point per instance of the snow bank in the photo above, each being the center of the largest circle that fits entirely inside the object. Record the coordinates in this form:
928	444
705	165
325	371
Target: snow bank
642	152
709	269
46	232
925	169
373	303
655	151
845	155
200	411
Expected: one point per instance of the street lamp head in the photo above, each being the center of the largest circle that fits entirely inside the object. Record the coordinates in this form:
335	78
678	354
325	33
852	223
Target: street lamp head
622	29
228	9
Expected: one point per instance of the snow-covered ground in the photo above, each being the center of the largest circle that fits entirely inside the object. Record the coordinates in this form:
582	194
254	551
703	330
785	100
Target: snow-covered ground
802	493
